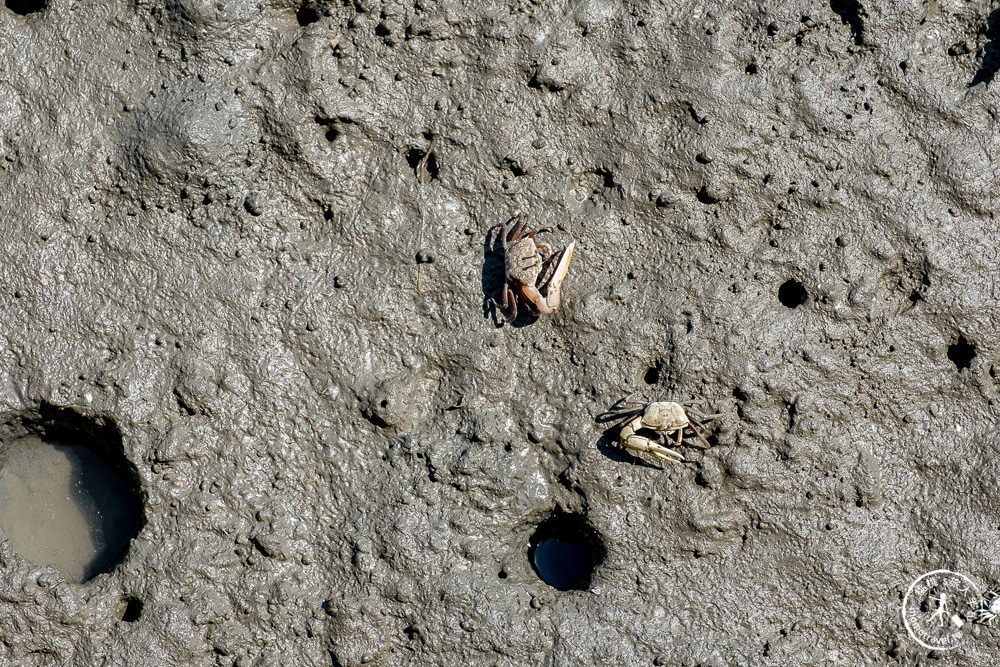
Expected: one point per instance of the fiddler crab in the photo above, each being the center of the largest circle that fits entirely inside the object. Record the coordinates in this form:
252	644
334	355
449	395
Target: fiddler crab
524	262
989	608
663	419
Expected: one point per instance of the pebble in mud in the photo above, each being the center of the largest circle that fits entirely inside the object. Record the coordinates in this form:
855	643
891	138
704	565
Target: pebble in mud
714	191
254	204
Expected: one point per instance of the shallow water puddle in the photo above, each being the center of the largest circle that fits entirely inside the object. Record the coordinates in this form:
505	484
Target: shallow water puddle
562	564
565	550
60	505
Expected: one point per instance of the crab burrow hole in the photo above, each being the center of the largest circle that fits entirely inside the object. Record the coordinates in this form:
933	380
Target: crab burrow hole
792	293
69	498
565	550
961	353
133	609
307	14
25	7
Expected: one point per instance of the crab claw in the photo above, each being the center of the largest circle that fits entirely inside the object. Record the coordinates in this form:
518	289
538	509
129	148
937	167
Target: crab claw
639	443
546	305
555	282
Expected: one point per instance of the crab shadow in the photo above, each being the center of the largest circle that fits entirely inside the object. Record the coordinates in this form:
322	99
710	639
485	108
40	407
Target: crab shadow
494	278
608	443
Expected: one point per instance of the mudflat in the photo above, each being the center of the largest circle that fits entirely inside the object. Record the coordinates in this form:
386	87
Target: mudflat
255	238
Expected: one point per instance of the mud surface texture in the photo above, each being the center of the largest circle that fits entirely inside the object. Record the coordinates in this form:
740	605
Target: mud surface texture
220	235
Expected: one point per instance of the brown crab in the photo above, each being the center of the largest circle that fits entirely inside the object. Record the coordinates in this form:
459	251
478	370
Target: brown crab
524	264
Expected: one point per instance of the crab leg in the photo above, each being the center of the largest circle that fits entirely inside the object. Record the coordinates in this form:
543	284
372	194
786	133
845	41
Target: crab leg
509	302
548	304
697	413
509	299
539	230
515	232
503	227
692	423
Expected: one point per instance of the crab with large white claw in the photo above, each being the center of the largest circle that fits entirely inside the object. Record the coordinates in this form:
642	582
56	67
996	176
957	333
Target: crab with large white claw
989	608
524	261
666	419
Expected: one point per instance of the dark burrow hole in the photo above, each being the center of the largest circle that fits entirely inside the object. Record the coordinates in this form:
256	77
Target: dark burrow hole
133	609
333	127
792	294
515	168
413	158
69	498
607	178
961	353
652	375
25	7
565	550
706	197
851	13
307	14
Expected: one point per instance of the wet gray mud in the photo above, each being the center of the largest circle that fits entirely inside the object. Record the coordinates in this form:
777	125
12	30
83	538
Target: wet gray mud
218	230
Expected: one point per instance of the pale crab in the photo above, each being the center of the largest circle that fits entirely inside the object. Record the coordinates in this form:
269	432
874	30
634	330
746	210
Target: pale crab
524	264
989	608
662	419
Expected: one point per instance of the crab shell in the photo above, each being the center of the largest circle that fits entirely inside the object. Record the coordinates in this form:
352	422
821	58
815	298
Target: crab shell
523	262
665	416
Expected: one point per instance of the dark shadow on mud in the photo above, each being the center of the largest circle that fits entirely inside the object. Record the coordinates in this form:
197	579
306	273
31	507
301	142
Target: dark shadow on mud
493	283
851	13
110	506
991	52
608	443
